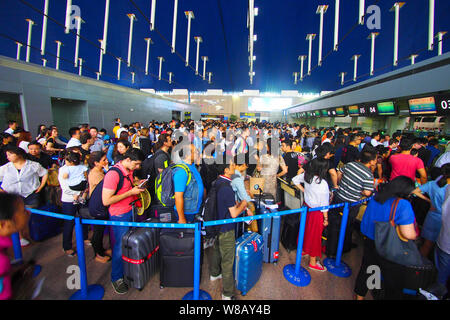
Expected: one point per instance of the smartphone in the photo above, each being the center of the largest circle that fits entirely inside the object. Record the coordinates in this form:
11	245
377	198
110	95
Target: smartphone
143	184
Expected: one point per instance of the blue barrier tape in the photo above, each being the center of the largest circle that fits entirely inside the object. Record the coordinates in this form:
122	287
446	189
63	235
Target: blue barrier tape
52	214
139	224
250	218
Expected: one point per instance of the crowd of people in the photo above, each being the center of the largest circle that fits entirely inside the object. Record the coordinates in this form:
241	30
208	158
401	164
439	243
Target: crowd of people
329	165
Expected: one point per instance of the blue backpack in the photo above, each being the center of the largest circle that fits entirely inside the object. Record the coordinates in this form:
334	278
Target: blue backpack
96	208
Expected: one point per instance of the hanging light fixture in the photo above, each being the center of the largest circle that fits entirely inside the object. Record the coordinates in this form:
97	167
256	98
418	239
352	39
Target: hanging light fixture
44	27
372	37
336	26
105	27
189	16
310	37
132	17
396	9
198	40
321	10
147	56
58	51
161	59
355	68
30	29
152	15
174	28
77	40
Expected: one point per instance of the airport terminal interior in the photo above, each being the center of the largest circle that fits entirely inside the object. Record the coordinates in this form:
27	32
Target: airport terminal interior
337	105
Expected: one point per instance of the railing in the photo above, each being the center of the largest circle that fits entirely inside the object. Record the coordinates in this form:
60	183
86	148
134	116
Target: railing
295	274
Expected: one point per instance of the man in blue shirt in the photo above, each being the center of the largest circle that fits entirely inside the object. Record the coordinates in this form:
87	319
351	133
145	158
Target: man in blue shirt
222	257
188	186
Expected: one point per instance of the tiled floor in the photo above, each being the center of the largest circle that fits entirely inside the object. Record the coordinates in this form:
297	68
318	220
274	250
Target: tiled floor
271	286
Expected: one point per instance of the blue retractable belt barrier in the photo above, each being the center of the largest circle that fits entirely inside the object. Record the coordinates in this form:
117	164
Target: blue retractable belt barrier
295	274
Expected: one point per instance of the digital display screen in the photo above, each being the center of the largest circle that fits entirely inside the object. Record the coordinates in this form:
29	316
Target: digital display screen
353	111
372	109
268	104
317	113
363	112
331	112
386	108
340	112
422	106
324	113
443	104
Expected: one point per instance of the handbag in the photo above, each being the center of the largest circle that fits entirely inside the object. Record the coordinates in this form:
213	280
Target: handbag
392	246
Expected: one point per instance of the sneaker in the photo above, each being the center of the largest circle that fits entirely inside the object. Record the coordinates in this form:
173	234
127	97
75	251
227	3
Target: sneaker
24	242
120	287
318	267
212	278
228	298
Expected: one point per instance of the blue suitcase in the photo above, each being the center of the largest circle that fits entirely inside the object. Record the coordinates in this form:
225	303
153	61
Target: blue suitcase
44	227
248	262
269	228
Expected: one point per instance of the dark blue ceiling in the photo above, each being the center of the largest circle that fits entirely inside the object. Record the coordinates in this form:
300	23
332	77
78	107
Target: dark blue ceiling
281	28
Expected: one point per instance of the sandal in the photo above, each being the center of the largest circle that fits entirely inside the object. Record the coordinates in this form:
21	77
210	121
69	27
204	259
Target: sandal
103	259
70	254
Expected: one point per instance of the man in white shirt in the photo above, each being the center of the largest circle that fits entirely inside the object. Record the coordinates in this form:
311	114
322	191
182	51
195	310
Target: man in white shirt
74	141
124	128
12	126
375	139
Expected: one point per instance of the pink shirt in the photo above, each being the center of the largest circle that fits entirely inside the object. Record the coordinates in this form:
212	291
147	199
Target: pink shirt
5	268
405	165
111	181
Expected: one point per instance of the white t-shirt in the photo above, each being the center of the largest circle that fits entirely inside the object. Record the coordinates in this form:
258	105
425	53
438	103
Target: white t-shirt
374	142
316	194
10	131
76	174
73	143
24	145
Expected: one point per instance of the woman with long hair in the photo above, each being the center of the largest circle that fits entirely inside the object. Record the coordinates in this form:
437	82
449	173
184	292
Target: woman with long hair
97	165
317	195
378	210
119	150
268	165
433	221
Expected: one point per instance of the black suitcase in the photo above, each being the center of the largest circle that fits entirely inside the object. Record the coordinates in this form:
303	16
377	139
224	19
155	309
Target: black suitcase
289	231
177	257
140	255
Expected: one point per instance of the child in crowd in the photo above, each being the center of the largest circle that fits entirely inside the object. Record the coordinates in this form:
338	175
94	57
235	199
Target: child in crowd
76	174
13	218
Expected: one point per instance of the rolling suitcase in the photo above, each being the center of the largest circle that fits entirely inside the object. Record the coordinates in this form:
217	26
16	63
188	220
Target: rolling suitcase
140	255
177	257
248	262
269	228
44	227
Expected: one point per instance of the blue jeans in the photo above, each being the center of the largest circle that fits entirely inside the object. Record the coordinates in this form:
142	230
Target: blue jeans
118	233
442	262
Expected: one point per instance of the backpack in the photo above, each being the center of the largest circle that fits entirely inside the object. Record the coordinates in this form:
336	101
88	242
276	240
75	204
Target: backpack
96	208
164	186
209	212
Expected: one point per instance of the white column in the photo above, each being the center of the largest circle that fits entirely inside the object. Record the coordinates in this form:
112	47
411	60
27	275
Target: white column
295	74
100	63
302	59
77	41
44	27
119	61
396	9
152	16
80	66
310	37
130	38
204	58
30	29
189	16
98	75
355	69
58	51
321	10
161	59
170	77
68	12
44	62
342	75
209	77
132	77
19	46
431	26
174	29
336	26
413	58
105	27
372	37
149	41
362	12
440	37
198	40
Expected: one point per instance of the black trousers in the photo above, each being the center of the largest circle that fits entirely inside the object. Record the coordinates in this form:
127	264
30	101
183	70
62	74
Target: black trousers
97	240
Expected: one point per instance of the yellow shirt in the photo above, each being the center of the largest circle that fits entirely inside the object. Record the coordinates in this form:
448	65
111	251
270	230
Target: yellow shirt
115	130
298	149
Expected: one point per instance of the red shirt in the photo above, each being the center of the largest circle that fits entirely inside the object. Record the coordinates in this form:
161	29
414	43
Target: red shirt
111	181
405	165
